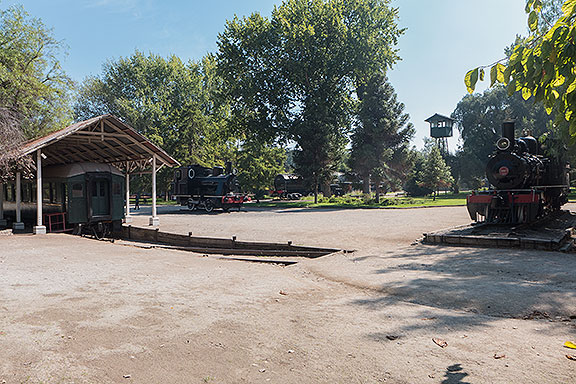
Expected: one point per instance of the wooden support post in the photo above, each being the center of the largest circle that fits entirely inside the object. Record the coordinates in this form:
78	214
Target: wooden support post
3	222
128	218
18	225
39	229
154	220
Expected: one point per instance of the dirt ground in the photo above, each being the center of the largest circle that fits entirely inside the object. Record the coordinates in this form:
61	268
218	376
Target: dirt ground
76	310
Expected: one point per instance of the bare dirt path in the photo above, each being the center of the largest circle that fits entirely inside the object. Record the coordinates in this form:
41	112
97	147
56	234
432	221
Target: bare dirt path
345	228
75	310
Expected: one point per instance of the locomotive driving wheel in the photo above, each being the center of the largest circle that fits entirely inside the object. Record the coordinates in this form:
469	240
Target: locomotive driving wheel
208	206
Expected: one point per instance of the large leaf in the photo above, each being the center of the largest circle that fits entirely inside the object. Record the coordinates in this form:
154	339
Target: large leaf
568	7
471	79
533	21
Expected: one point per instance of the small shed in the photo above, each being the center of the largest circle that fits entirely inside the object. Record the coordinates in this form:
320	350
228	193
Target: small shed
103	139
440	126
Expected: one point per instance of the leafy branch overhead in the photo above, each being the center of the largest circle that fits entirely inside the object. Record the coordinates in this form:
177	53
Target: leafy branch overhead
543	65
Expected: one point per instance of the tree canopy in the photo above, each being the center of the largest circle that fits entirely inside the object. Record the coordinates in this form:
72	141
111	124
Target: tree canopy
293	76
541	66
169	101
34	90
380	142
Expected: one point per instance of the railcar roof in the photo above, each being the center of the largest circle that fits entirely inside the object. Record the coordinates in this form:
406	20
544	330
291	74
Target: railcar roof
102	139
70	170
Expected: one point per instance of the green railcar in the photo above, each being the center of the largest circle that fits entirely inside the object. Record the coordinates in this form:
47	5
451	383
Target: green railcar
91	195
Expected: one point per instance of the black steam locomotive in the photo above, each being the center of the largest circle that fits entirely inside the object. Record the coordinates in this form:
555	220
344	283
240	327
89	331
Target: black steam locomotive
288	186
526	184
207	188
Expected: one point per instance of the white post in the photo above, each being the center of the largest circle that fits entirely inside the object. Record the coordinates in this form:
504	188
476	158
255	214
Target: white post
2	219
154	220
39	229
18	225
128	218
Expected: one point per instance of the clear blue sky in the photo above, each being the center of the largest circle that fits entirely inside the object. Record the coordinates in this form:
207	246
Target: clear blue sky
444	39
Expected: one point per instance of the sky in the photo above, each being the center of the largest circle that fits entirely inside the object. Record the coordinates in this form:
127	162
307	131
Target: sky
443	39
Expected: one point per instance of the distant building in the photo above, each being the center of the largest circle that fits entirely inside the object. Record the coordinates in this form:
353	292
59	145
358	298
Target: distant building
441	129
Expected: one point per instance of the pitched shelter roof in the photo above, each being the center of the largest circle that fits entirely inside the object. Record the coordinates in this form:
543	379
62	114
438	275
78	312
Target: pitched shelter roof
437	117
102	139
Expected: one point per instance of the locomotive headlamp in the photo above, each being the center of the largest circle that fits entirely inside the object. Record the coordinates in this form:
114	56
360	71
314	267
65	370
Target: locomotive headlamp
503	143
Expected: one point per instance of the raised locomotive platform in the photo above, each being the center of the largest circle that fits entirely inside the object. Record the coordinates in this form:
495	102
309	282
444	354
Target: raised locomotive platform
554	233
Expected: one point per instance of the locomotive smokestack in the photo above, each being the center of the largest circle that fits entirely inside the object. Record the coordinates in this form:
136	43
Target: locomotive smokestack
508	130
228	167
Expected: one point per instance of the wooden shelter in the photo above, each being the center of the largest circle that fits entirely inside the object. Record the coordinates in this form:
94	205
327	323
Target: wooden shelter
103	139
441	128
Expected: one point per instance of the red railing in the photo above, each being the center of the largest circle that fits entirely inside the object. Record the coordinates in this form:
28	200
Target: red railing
55	222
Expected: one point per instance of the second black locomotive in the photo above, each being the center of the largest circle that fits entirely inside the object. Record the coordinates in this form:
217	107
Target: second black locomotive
526	184
207	188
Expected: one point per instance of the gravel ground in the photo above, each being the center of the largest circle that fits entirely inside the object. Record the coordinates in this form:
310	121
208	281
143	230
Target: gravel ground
76	310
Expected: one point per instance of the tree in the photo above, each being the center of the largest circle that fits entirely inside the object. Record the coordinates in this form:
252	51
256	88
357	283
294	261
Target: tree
436	173
170	102
258	165
542	65
479	118
413	185
292	77
33	86
380	141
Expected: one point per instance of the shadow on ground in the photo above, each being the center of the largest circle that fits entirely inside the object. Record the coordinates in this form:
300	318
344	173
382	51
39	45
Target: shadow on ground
479	284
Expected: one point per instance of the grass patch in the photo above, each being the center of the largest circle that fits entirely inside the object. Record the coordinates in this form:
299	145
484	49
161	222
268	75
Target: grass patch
367	202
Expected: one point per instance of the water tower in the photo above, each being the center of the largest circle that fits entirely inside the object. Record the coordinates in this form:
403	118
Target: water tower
440	130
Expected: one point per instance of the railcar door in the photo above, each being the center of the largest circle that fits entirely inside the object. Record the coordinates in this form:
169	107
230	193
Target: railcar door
100	197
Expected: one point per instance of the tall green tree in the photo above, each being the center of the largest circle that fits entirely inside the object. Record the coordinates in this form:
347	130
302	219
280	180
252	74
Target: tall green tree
436	173
258	165
380	141
34	90
171	102
293	76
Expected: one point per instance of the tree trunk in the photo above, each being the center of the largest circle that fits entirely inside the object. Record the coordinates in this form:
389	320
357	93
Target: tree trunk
366	184
315	190
326	191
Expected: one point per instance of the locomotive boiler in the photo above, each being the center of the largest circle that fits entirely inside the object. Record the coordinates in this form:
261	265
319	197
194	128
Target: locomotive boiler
525	183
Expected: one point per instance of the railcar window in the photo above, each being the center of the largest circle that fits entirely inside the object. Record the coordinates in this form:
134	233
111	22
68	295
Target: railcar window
26	192
77	190
64	195
10	193
46	193
116	189
102	189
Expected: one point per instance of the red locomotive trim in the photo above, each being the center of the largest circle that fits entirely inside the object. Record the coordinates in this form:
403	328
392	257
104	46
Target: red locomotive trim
527	198
524	198
235	199
479	199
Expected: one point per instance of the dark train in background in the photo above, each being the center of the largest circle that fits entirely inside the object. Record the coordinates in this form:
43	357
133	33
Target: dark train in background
526	184
207	188
293	187
288	186
89	195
